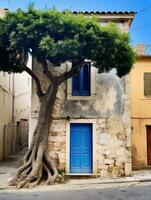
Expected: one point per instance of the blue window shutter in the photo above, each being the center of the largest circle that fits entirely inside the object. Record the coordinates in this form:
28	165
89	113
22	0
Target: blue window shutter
76	85
81	82
86	80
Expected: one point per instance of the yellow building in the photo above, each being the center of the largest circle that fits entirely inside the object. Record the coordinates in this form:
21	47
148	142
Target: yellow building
141	109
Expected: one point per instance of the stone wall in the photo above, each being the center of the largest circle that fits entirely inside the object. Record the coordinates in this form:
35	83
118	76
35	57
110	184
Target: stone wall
57	142
112	154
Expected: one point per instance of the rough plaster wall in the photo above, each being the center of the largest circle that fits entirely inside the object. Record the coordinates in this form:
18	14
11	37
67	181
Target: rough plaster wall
5	105
108	100
22	94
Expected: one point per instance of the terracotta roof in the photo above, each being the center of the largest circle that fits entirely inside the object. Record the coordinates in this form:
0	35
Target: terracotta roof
104	13
98	12
3	8
143	56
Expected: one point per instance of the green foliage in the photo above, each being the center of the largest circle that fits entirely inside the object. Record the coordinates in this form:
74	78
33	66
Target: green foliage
60	37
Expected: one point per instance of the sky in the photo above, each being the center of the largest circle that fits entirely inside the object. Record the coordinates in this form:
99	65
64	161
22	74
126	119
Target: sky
140	30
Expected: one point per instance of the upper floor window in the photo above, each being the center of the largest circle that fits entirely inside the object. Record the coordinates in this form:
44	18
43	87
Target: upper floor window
147	84
81	82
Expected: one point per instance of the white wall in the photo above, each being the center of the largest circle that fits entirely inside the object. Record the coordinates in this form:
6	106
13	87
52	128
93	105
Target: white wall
15	99
6	81
22	91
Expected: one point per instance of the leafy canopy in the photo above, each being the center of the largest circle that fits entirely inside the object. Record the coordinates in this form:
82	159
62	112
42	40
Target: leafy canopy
58	37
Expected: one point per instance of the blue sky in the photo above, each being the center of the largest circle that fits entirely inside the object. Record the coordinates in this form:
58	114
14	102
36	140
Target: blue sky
140	30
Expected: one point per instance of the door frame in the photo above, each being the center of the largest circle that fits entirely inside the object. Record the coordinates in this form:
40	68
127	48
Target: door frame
94	145
147	143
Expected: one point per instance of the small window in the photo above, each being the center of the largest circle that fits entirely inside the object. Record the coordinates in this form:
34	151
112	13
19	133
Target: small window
81	82
147	84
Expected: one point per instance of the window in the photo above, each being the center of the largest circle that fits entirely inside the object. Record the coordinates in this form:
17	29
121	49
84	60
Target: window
147	84
81	82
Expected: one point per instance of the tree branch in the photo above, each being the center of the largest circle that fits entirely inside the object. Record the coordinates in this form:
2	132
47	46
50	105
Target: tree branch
73	71
36	79
48	74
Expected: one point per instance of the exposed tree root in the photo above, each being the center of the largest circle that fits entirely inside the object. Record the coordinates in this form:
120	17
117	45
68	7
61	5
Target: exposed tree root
38	167
37	164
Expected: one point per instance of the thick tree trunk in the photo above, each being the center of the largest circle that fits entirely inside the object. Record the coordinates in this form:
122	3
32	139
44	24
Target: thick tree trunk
37	162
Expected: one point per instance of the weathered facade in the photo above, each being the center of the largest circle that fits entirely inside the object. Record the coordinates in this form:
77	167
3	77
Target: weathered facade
106	110
14	101
5	105
141	109
15	91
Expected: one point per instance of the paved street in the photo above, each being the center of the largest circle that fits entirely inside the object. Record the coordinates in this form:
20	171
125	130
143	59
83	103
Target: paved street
126	191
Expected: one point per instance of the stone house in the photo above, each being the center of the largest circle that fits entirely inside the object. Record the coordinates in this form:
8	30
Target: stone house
91	131
141	108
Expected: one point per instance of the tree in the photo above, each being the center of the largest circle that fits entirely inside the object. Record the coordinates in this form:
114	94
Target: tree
52	38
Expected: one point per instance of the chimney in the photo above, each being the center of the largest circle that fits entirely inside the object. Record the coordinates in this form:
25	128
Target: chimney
140	49
3	11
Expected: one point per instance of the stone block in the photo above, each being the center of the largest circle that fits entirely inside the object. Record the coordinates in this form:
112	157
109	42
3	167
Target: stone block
121	136
117	171
111	165
115	125
107	152
57	138
128	141
120	158
112	156
101	123
53	133
58	126
120	143
120	151
119	164
103	167
103	138
128	169
128	155
108	161
104	173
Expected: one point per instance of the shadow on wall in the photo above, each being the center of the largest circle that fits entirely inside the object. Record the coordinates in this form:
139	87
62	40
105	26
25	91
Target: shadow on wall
136	163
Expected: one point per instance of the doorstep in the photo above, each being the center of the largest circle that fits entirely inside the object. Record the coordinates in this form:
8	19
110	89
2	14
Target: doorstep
83	175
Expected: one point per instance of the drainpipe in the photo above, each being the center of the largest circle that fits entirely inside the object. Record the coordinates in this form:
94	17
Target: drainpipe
13	99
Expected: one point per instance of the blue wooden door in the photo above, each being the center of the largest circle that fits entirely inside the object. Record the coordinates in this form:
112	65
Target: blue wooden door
81	148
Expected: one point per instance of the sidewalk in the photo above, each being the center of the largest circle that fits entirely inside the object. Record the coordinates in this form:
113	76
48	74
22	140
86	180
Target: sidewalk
8	169
137	176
